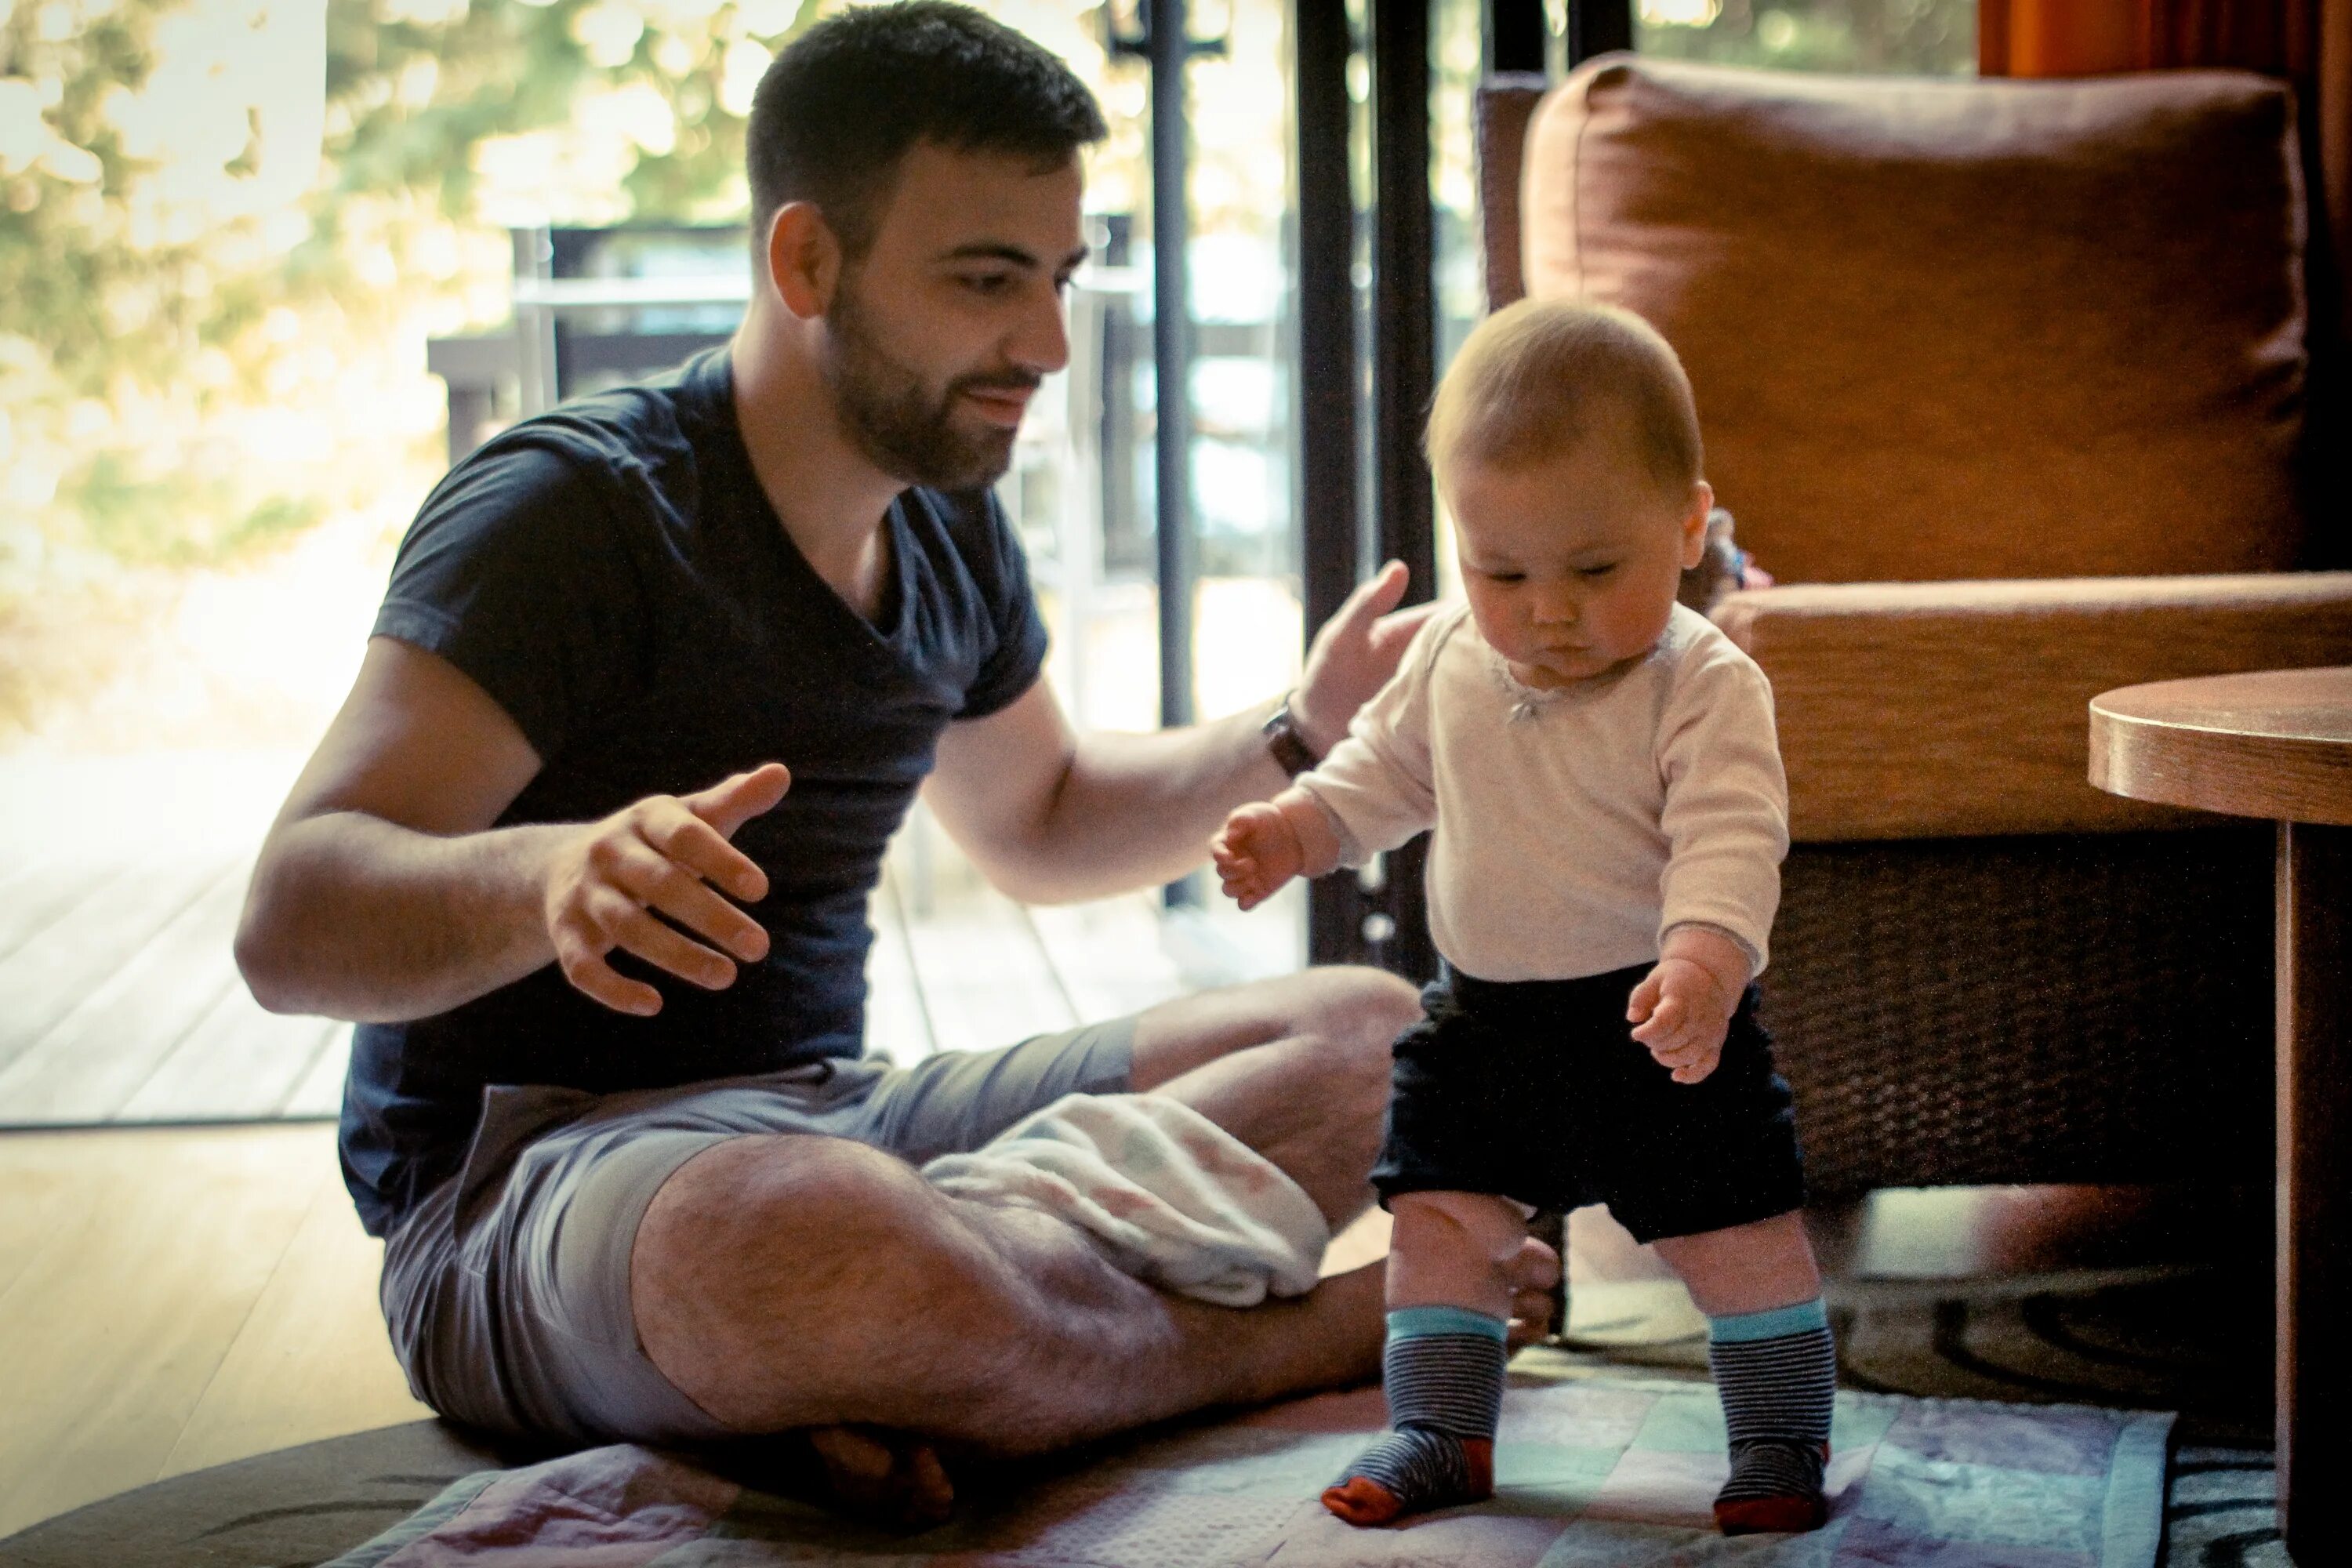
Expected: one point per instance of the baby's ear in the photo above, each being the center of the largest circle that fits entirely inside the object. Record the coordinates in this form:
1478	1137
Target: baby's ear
1717	571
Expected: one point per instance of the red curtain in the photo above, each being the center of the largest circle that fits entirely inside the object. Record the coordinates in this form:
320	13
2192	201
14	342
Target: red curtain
2084	37
2309	42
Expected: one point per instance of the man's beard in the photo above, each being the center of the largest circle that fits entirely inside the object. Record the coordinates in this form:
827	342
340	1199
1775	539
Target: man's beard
904	430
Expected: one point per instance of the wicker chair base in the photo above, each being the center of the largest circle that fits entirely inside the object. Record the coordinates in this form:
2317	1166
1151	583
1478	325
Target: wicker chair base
2088	1008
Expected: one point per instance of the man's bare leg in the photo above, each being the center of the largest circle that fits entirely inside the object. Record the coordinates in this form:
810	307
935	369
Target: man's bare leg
796	1281
787	1282
825	1282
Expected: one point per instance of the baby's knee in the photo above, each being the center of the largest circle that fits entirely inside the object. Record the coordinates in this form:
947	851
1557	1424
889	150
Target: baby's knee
1746	1267
1469	1227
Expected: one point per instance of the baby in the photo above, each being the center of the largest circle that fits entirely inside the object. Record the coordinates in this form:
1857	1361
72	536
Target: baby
1600	766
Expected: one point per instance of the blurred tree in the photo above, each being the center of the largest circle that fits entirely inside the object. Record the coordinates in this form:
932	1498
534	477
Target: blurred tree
228	226
152	292
1930	38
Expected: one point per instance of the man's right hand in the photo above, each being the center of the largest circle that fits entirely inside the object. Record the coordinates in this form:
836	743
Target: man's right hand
665	853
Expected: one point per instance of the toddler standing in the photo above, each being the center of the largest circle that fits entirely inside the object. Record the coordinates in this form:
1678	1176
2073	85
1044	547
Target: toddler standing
1600	767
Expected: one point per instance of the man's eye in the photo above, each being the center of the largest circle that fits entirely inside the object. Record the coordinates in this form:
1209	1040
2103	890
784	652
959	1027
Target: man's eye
987	282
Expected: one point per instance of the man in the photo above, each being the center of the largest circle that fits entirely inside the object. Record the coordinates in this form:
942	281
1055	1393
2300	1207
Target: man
605	1105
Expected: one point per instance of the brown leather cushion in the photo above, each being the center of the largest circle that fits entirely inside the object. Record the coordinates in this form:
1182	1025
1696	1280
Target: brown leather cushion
1954	329
1952	709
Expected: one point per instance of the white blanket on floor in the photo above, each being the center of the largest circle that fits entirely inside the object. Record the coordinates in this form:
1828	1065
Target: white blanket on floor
1170	1196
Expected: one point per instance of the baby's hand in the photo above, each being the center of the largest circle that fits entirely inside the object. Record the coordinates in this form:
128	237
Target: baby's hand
1683	1009
1257	854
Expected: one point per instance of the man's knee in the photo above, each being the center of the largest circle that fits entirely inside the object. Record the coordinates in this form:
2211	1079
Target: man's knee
810	1282
1352	1005
1352	1016
767	1256
815	1208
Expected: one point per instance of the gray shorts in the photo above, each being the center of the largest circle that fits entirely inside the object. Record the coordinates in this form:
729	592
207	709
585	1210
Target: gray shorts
507	1289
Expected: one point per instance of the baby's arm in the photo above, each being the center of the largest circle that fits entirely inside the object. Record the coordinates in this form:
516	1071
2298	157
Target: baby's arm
1372	794
1727	818
1684	1005
1266	844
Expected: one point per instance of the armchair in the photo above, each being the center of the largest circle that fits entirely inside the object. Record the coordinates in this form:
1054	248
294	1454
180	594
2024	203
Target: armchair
2003	381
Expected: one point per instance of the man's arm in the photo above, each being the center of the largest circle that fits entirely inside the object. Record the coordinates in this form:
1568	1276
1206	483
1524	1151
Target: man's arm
1051	815
382	894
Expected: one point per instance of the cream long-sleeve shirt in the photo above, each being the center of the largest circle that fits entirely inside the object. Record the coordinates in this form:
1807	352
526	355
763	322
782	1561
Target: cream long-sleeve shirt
1574	827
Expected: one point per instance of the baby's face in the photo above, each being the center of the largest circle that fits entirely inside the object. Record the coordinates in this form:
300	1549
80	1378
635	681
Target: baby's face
1571	563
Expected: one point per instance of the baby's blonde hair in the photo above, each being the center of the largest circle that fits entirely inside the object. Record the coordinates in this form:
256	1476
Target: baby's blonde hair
1537	378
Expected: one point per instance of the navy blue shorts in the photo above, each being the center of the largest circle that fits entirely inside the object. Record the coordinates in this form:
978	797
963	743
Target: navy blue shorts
1536	1090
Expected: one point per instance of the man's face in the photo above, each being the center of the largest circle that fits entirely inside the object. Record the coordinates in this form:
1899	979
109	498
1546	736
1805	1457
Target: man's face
936	337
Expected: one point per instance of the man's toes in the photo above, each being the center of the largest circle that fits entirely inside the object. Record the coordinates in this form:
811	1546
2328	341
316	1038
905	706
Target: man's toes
930	1496
1534	1274
852	1458
1537	1267
885	1478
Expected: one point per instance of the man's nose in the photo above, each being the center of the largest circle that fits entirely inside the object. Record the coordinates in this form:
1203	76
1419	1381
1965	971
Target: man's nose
1042	343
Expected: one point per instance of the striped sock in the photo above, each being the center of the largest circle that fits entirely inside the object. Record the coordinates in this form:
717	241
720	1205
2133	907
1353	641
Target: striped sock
1776	1374
1443	1371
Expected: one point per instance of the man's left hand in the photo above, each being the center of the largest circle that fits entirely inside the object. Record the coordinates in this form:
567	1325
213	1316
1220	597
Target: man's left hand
1353	655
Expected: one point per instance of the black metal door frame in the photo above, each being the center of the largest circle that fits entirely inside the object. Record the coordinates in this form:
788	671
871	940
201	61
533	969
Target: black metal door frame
1381	920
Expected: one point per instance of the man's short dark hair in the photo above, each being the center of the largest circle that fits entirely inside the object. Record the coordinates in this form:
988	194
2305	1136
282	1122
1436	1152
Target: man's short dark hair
847	99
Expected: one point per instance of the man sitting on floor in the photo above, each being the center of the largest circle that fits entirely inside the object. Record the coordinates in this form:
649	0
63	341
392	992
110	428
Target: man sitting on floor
588	849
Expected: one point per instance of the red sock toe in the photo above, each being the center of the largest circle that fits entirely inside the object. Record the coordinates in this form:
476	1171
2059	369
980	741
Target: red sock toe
1771	1515
1362	1501
1481	1456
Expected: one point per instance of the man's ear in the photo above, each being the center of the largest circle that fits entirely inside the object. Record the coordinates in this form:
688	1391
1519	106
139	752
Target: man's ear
1702	502
804	258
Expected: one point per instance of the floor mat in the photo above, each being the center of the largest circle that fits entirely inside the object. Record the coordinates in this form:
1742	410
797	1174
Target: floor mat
1594	1469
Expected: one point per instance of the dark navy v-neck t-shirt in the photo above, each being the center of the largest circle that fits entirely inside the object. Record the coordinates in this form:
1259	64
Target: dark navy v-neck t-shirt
613	576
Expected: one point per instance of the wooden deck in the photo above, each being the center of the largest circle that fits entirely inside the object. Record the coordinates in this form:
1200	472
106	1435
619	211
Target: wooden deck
123	1003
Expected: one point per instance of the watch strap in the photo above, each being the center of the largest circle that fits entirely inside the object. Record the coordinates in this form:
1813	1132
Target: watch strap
1289	748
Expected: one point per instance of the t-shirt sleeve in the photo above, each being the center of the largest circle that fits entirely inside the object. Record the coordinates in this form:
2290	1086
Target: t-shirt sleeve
515	571
1727	810
1012	665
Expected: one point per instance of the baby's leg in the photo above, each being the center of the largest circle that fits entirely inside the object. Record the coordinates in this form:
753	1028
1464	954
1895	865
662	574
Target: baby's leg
1449	1299
1775	1367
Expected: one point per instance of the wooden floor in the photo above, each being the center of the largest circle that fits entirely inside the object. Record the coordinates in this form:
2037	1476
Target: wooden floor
175	1298
175	1294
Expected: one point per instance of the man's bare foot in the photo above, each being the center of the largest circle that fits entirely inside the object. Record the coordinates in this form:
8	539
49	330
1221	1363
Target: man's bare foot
889	1477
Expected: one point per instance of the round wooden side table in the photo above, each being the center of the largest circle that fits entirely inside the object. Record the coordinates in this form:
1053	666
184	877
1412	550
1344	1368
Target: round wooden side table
2278	745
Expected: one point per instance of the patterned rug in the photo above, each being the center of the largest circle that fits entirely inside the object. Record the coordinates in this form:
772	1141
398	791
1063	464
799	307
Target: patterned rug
1594	1469
2194	1341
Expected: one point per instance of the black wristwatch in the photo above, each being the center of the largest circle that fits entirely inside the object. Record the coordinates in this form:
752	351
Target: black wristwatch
1290	749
